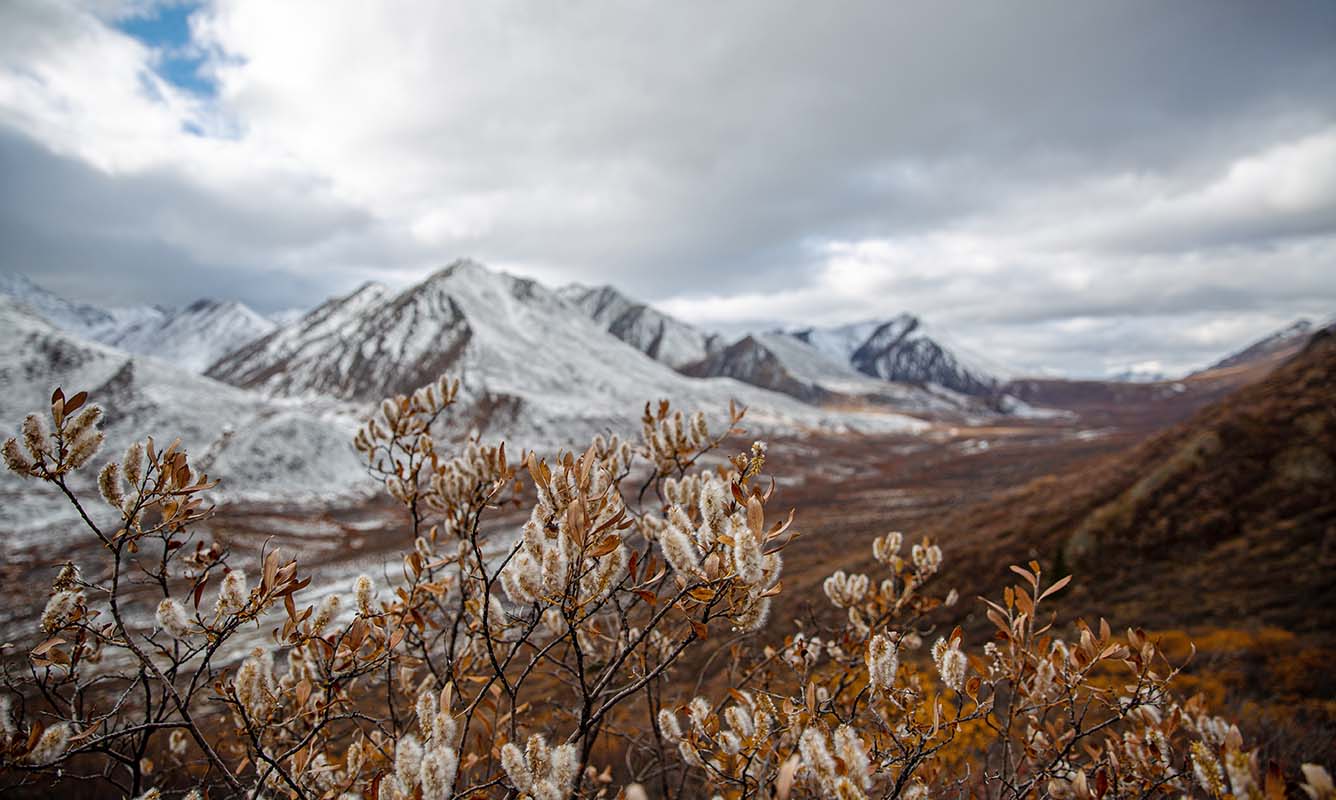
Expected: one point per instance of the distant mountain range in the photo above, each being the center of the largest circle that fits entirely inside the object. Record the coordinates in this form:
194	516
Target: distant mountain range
191	338
542	364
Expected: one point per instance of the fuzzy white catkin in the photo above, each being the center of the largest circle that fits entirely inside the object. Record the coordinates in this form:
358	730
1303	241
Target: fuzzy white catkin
408	760
426	711
363	594
512	761
52	744
133	464
15	460
444	729
740	720
952	667
747	556
565	763
882	663
59	609
232	594
754	616
152	794
172	618
668	723
329	608
678	550
35	437
916	790
699	710
816	755
851	750
438	773
109	484
1207	770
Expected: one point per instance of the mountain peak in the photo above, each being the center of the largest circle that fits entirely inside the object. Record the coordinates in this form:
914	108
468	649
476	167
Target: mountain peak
652	332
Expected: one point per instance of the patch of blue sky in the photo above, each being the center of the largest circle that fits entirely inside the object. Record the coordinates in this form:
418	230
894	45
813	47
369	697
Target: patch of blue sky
165	28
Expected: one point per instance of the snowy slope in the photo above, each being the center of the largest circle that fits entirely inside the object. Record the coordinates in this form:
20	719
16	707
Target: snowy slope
194	337
533	367
258	447
905	350
79	318
191	338
645	328
784	363
838	342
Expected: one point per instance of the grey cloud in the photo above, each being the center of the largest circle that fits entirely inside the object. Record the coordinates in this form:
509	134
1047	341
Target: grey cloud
155	237
686	151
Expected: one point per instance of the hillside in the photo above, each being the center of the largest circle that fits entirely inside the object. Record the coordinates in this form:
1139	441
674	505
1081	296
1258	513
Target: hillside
657	335
1237	502
261	448
1282	343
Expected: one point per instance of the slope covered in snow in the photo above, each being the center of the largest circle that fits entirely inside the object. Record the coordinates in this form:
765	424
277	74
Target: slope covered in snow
191	338
533	367
784	363
905	350
194	337
645	328
258	447
80	318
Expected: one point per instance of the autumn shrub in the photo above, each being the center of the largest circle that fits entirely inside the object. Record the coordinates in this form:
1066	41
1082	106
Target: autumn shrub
539	661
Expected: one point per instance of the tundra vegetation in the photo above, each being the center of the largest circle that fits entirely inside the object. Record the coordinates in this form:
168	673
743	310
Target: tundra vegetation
539	662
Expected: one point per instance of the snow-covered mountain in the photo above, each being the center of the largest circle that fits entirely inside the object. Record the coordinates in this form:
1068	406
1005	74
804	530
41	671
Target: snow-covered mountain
259	447
82	319
905	350
532	365
790	365
191	338
645	328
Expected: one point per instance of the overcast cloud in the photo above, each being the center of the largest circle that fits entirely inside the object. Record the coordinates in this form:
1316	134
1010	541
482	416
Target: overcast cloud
1065	186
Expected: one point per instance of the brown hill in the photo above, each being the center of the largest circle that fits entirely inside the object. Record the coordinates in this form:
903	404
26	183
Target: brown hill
1221	528
1228	515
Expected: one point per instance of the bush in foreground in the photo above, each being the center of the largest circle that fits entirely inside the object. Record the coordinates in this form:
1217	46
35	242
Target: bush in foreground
540	664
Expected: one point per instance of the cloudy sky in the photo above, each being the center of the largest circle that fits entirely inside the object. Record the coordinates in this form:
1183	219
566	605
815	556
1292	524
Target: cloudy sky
1070	186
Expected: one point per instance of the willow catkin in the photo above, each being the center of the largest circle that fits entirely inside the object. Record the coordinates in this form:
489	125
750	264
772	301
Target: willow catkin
850	749
59	609
171	617
132	464
679	550
951	665
408	760
232	594
363	594
15	460
52	744
669	725
882	663
109	485
437	773
35	437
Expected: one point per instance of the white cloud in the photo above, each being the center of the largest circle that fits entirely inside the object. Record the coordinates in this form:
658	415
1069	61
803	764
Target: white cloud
1005	172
